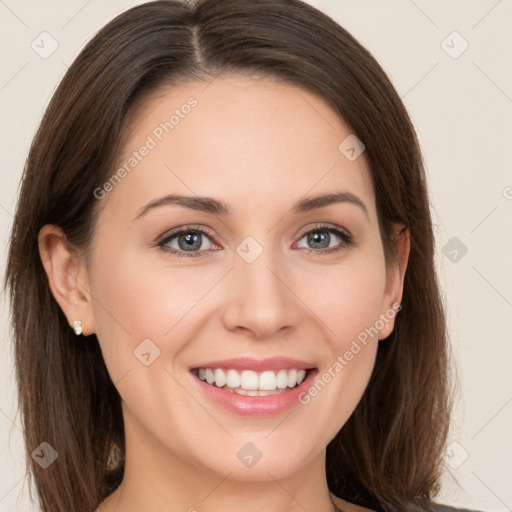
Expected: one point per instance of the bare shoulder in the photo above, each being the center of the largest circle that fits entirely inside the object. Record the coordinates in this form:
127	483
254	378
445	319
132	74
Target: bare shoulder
345	506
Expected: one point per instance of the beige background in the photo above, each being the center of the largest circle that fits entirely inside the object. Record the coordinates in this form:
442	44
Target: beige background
461	105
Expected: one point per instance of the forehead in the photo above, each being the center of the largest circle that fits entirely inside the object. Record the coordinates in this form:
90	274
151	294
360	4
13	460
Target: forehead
238	139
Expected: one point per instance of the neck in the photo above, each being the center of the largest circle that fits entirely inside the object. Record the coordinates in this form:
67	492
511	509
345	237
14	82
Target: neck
156	478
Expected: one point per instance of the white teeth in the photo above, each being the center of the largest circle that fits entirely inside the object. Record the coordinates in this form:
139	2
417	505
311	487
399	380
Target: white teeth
249	380
292	378
267	381
232	379
210	377
282	379
220	378
251	383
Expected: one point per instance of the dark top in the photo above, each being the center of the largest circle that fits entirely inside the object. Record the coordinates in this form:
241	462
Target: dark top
446	508
435	507
354	492
366	501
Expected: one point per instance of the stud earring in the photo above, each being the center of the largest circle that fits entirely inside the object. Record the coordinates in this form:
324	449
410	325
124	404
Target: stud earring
77	327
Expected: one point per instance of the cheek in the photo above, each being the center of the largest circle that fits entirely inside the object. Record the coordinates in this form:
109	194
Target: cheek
346	297
349	307
138	298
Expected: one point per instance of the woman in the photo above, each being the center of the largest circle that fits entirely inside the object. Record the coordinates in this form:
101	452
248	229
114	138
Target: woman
222	273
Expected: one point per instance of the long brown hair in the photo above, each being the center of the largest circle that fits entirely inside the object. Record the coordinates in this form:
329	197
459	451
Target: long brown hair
388	455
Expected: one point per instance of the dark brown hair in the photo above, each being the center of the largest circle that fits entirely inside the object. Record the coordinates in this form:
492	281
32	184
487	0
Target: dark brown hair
388	456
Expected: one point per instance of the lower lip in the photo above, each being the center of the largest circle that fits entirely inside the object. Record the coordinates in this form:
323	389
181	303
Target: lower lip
269	405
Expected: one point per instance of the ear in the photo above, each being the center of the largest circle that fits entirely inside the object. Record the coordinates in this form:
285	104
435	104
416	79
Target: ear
67	277
395	273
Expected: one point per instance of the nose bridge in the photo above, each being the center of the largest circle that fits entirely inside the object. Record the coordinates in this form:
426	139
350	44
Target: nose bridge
261	300
259	269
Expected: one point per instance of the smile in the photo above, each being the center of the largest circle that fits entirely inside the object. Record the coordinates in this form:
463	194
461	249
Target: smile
250	393
251	383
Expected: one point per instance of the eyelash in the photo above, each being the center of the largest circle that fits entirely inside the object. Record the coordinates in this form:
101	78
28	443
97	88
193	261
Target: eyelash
347	240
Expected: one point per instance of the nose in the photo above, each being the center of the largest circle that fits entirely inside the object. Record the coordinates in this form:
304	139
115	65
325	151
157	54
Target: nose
261	300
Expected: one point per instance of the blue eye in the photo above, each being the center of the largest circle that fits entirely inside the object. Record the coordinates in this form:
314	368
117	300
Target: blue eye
321	237
189	241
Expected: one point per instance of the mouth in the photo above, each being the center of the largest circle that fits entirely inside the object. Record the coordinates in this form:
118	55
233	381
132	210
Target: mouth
253	383
257	394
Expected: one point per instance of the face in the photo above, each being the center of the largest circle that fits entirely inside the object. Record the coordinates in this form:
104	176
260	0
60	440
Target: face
176	285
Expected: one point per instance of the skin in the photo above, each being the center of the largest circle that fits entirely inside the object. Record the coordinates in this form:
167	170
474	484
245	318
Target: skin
259	146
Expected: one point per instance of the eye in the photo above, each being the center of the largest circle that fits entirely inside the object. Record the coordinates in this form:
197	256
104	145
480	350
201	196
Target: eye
186	242
320	238
189	241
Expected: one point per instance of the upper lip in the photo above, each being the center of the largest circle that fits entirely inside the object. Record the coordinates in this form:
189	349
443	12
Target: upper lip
249	363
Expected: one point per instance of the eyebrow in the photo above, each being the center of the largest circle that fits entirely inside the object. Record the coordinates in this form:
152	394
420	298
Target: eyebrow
216	207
